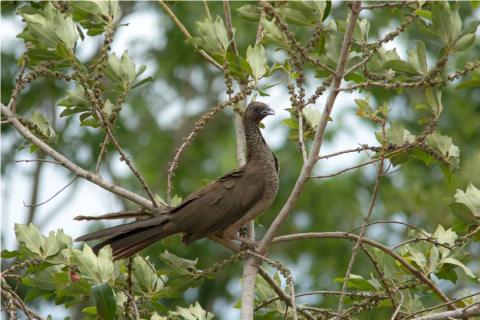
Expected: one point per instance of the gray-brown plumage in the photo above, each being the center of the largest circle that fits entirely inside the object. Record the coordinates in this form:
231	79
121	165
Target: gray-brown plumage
221	207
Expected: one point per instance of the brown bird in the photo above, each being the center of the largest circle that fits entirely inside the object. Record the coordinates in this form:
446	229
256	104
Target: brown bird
221	207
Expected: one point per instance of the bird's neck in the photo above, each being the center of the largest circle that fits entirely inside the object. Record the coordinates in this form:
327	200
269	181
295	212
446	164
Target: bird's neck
256	146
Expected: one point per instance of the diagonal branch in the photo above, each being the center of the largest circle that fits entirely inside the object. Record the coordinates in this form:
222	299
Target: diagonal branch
387	250
317	143
82	173
362	231
185	32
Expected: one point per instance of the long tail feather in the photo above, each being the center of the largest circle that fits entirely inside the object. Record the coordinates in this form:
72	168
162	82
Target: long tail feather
117	215
130	238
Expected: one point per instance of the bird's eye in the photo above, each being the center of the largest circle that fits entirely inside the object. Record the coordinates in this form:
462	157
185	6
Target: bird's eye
256	109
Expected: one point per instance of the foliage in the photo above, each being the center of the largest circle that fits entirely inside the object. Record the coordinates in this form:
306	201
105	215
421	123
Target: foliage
403	278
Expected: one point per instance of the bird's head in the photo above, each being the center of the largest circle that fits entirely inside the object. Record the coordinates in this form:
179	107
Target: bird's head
256	111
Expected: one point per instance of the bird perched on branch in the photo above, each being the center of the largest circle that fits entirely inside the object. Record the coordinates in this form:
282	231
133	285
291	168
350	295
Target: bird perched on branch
221	207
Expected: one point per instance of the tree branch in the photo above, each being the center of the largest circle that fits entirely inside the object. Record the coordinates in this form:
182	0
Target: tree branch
470	311
317	143
185	32
12	105
366	218
387	250
36	205
82	173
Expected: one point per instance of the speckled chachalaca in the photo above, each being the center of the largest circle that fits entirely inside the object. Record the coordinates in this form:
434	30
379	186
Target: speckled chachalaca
221	207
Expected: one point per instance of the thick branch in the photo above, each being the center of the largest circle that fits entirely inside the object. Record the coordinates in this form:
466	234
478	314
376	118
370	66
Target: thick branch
470	311
317	143
82	173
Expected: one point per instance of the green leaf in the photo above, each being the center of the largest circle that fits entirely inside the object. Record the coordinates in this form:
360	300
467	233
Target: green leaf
400	66
357	282
192	313
35	293
65	30
90	122
395	133
221	33
146	80
312	116
179	285
9	254
257	60
441	21
295	17
51	246
422	56
458	225
467	270
400	158
94	11
249	12
463	213
86	262
42	54
470	198
105	264
105	301
464	43
289	122
112	70
333	45
31	237
41	29
424	14
42	279
468	84
470	28
63	51
77	97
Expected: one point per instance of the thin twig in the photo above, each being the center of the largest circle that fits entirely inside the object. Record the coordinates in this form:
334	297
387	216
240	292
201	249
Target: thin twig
351	295
39	160
380	274
132	299
185	32
282	295
36	205
402	297
362	232
153	269
12	105
362	164
205	5
102	152
5	122
82	173
301	143
388	5
123	157
198	127
440	305
357	150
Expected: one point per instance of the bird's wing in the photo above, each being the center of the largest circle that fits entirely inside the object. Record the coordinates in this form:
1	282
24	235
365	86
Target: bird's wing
218	205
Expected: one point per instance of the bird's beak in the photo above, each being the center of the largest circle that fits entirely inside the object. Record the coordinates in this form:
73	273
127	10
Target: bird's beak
268	111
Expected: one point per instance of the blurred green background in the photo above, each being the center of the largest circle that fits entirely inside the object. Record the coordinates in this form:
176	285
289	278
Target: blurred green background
158	115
